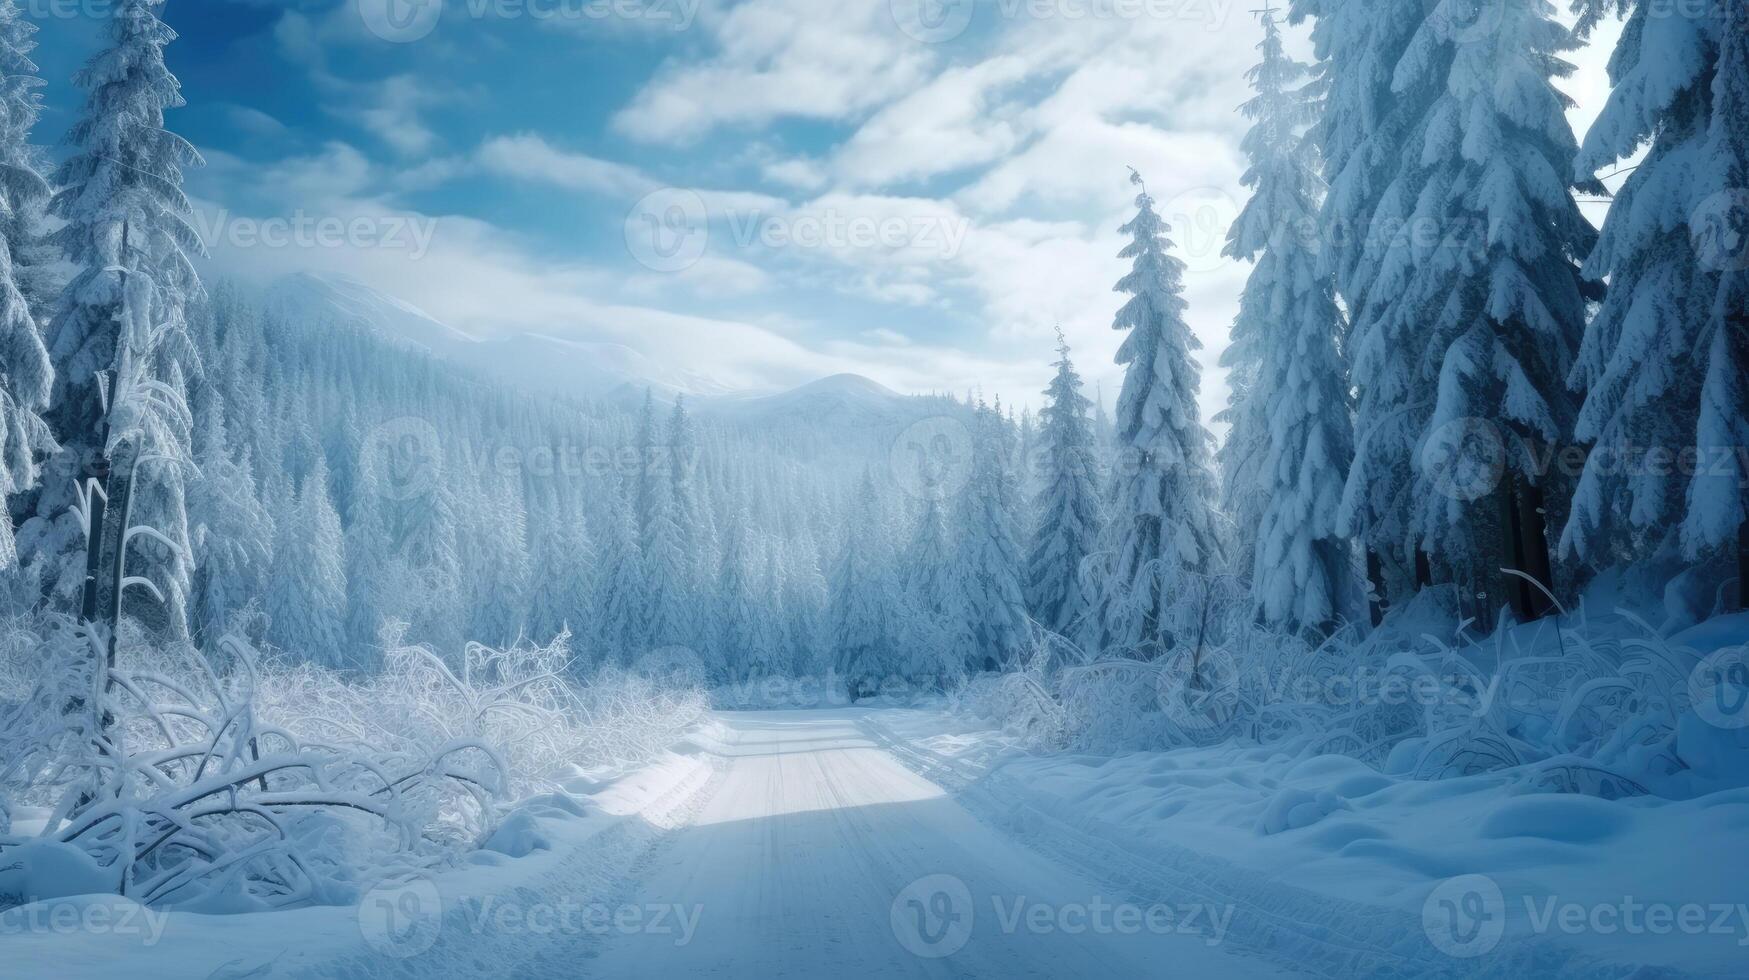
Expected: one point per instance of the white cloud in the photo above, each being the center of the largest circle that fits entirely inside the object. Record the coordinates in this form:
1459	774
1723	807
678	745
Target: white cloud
529	157
777	59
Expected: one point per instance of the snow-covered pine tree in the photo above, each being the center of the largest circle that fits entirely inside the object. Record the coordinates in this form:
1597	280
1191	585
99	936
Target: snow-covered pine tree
671	615
862	600
369	551
1360	134
648	467
120	196
1489	300
622	597
1162	519
1070	520
306	601
26	375
564	568
233	532
1292	442
1660	326
1718	497
991	559
498	563
734	646
696	531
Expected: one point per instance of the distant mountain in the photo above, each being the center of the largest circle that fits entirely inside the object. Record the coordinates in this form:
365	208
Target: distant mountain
594	369
839	400
599	370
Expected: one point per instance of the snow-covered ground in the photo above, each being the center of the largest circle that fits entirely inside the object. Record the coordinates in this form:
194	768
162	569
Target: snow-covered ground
1336	869
901	842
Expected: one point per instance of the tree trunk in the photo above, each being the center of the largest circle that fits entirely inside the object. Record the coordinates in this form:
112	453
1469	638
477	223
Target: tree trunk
1511	550
1534	560
1423	569
105	559
1375	574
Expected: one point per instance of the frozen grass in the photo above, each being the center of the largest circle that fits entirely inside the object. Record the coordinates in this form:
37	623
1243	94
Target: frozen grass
1598	705
239	780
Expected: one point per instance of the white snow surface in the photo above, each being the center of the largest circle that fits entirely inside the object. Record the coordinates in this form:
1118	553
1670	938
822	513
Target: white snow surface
904	842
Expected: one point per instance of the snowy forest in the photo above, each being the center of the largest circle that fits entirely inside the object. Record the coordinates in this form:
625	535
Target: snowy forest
1441	610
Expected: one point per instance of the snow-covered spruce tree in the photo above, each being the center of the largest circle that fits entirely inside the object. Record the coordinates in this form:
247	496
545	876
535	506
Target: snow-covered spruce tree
120	321
369	550
991	560
306	601
1070	520
1718	498
424	574
498	563
862	599
698	535
1491	302
735	645
648	467
670	614
938	636
1240	457
233	532
1163	526
1292	437
621	595
1361	132
564	568
1665	250
25	373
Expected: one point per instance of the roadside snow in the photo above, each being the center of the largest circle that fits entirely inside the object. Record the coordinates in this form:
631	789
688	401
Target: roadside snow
569	850
1589	885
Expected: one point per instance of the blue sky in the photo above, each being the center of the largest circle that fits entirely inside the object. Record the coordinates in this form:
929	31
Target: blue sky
763	191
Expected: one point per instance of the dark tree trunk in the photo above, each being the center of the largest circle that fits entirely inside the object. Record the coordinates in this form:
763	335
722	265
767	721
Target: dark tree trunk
1534	561
1375	574
105	554
1423	569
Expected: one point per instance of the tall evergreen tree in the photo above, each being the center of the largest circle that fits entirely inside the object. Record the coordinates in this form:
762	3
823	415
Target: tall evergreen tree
1163	526
1291	418
26	375
126	226
1070	520
1495	313
306	601
1666	250
861	596
234	533
622	598
1361	133
991	559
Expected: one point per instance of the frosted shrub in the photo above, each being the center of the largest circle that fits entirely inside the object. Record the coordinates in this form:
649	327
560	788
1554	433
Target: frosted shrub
239	780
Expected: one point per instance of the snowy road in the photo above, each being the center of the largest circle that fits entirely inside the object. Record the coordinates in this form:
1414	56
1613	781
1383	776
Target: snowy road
820	855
